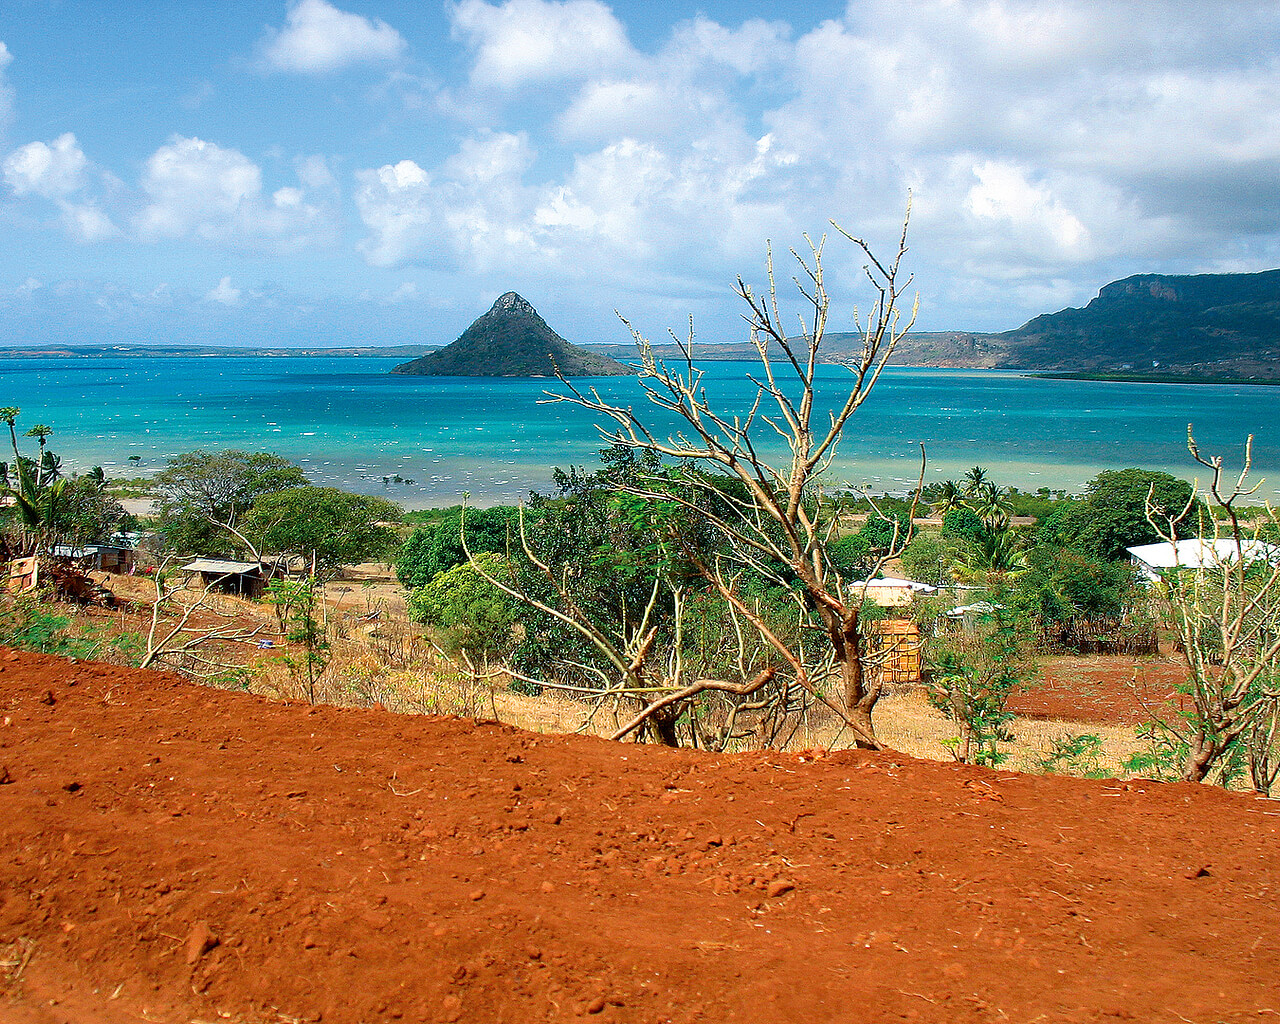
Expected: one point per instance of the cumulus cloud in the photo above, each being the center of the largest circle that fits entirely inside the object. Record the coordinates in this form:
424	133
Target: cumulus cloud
224	293
59	171
528	41
199	189
50	170
319	38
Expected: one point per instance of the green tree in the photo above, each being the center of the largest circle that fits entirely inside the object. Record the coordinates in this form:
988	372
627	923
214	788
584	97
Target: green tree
975	670
472	614
205	495
35	487
781	520
295	599
1113	513
963	523
328	527
436	547
930	558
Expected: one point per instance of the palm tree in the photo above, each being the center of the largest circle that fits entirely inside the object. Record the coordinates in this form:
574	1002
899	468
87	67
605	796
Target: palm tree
997	553
950	495
974	480
992	504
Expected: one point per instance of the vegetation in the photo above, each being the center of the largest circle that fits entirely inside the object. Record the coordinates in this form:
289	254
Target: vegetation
435	546
330	529
1226	614
977	666
772	526
204	497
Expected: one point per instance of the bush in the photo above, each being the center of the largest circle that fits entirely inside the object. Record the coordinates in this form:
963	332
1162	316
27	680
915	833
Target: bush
471	613
436	546
963	523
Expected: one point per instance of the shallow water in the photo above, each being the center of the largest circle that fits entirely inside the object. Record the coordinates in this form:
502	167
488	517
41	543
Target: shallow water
351	424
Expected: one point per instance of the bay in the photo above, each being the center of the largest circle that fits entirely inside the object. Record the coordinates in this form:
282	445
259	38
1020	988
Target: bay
351	424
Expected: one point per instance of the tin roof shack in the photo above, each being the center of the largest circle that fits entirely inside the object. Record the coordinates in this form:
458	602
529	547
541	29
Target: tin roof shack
116	558
243	578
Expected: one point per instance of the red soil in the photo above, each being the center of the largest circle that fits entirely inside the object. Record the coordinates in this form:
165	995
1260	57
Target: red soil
175	853
1102	689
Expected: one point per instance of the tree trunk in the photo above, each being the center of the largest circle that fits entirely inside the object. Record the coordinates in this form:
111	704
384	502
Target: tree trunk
859	698
1200	758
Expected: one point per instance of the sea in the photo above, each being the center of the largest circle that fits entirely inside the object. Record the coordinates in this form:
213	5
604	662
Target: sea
427	441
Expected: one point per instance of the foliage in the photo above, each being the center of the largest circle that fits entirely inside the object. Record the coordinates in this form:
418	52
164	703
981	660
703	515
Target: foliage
471	613
87	513
851	555
974	672
329	527
27	623
776	524
1063	584
887	531
35	487
963	523
1227	619
435	546
1074	754
295	599
1112	516
202	493
930	558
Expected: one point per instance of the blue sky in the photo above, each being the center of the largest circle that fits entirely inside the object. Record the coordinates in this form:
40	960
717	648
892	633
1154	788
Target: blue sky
378	171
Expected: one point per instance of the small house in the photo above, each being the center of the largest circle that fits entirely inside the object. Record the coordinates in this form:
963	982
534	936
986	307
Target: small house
1154	560
891	593
243	578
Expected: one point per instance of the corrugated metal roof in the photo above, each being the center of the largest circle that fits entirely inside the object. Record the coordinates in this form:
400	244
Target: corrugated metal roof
224	568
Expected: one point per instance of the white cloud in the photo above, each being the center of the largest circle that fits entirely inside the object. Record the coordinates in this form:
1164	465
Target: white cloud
395	204
199	189
319	38
524	42
225	293
755	47
86	223
1005	196
48	170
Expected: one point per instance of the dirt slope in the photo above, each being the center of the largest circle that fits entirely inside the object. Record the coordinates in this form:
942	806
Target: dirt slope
176	853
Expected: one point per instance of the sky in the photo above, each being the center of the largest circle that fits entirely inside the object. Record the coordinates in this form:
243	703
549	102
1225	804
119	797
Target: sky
377	172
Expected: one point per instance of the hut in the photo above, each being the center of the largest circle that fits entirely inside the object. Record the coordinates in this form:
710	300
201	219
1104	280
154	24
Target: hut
243	578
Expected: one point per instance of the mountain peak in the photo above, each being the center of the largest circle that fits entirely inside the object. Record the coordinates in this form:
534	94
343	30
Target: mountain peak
512	340
512	302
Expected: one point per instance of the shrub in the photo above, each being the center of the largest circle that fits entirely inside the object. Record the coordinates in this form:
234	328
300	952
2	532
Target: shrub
471	613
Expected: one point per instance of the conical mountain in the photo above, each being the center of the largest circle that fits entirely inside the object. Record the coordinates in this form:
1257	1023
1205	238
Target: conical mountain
511	340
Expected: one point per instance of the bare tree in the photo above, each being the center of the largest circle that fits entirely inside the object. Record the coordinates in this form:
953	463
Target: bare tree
775	523
186	625
1225	606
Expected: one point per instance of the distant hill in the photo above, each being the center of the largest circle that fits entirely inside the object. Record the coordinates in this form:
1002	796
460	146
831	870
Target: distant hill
511	340
1179	326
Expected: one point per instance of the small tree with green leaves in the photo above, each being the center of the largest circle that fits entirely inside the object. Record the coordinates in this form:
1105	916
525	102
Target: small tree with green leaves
976	666
297	597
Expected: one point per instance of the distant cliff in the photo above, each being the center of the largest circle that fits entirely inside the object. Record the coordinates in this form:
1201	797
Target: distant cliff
1212	322
511	340
1172	326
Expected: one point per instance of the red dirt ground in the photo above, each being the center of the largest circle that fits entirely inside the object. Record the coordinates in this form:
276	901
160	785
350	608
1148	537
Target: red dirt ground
1103	689
175	853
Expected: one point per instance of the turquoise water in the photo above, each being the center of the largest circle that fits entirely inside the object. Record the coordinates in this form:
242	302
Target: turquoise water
350	423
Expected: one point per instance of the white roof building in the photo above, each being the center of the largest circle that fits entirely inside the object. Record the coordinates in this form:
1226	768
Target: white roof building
1154	560
889	592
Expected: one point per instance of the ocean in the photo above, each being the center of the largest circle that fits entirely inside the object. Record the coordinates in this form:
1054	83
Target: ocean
351	424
